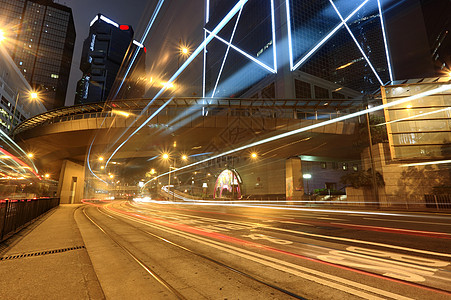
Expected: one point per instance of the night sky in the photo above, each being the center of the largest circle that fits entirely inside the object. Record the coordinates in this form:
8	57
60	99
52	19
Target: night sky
178	20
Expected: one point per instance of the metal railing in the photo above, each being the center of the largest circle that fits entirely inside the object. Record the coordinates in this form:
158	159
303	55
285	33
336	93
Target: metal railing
438	201
16	214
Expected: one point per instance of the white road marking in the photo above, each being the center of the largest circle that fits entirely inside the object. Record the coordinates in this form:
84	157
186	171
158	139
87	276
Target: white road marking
341	239
340	283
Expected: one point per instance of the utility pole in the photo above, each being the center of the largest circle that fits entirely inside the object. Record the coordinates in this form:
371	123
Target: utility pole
373	165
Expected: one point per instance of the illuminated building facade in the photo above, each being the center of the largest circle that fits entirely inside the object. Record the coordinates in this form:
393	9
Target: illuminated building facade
297	49
41	42
324	49
107	47
15	103
419	129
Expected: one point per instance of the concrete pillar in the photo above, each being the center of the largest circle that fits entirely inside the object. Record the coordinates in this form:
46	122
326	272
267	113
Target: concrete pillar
71	183
293	179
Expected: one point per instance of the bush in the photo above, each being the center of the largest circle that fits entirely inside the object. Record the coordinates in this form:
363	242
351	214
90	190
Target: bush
362	179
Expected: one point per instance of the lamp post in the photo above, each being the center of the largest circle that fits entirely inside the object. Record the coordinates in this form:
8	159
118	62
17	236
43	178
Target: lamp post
33	96
166	156
307	177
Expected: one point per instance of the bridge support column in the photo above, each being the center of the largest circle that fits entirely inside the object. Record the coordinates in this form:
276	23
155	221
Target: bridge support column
293	179
71	183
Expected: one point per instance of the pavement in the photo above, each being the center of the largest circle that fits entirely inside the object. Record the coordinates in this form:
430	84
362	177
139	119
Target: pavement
48	260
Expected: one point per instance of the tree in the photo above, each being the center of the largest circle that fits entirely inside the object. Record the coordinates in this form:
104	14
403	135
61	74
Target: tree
362	179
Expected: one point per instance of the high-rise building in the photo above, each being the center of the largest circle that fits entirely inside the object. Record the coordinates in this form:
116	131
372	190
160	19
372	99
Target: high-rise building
419	33
297	49
40	39
108	46
16	103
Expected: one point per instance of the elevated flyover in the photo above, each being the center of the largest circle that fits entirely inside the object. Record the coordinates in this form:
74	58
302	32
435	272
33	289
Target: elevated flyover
197	125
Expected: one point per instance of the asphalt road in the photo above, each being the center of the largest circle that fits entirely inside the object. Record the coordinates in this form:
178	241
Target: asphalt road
205	251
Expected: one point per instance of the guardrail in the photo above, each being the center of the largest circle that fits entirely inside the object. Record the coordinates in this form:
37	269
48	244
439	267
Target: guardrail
438	201
16	214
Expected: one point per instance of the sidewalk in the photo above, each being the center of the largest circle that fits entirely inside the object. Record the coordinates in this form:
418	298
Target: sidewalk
49	262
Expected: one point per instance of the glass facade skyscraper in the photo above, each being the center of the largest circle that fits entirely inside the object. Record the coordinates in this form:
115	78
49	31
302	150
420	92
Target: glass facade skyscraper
108	46
40	39
324	49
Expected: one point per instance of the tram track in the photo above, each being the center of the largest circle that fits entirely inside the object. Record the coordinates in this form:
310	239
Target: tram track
143	265
160	238
431	289
212	260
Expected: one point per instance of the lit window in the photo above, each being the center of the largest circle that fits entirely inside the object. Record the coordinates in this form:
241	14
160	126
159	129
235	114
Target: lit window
54	76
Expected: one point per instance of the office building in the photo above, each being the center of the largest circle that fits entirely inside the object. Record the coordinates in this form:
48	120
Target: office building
16	104
297	49
40	37
419	34
108	46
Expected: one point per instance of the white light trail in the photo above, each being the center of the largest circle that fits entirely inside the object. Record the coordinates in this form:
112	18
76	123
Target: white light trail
310	127
416	116
437	162
356	42
143	38
196	52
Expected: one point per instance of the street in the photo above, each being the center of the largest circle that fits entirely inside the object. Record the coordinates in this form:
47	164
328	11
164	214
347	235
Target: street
233	251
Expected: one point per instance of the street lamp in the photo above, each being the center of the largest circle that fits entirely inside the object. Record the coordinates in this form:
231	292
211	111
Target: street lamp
184	51
166	156
33	96
307	177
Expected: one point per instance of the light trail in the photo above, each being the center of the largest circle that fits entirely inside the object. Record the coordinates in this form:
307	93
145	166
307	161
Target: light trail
310	127
416	116
216	240
20	162
303	233
436	162
195	53
143	38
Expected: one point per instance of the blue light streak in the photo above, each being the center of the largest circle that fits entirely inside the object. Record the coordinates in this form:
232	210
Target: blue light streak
356	42
196	52
143	38
137	129
325	39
